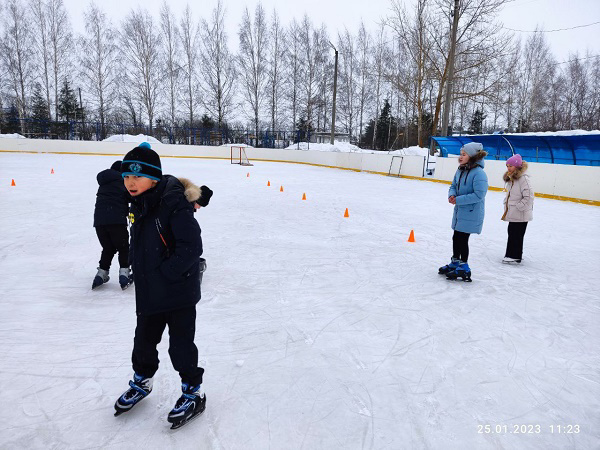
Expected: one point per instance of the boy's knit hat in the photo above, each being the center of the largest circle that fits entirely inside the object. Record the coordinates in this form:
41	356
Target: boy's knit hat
142	161
472	148
116	165
515	160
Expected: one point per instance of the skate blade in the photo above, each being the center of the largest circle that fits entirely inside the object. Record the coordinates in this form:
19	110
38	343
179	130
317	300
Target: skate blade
178	425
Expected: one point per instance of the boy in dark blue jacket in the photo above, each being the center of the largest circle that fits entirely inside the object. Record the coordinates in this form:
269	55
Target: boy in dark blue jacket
167	269
110	221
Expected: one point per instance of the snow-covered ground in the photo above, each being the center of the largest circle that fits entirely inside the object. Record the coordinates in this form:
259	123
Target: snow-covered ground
11	136
316	331
131	138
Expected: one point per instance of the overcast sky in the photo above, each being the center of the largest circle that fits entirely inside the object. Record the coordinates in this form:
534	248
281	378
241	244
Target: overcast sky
337	14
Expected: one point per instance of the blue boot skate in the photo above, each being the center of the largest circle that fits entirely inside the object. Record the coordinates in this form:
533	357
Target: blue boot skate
191	404
462	271
139	389
449	267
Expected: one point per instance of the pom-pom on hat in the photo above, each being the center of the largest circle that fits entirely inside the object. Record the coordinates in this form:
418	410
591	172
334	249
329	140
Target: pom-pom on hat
472	148
515	160
142	161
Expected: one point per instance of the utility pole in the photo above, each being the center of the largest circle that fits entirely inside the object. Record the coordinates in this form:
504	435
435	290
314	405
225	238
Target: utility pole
446	116
332	139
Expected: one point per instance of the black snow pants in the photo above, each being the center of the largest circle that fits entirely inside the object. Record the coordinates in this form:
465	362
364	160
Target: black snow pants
113	239
182	350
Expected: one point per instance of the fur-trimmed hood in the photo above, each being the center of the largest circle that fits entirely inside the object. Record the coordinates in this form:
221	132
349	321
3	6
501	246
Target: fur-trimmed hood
475	160
192	192
516	174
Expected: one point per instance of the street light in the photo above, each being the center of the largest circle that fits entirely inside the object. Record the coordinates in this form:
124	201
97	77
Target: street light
332	139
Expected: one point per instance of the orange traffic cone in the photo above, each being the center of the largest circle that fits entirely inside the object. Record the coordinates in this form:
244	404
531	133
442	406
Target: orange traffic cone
248	174
52	171
13	182
281	189
304	196
268	183
411	238
346	213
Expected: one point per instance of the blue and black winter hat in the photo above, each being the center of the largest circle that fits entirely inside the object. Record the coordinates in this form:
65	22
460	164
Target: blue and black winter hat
142	161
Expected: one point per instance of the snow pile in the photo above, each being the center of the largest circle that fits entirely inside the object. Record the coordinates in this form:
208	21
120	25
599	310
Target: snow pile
12	136
341	147
557	133
131	138
237	145
414	150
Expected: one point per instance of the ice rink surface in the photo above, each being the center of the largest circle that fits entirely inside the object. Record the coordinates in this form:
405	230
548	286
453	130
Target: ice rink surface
316	331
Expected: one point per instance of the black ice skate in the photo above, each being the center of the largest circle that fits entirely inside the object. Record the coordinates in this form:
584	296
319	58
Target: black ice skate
190	405
140	388
125	277
463	271
100	278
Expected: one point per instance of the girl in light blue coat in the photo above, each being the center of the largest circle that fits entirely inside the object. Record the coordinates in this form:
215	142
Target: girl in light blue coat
467	194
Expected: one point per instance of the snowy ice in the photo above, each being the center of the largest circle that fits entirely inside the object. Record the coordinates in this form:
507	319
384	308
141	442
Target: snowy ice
348	336
130	138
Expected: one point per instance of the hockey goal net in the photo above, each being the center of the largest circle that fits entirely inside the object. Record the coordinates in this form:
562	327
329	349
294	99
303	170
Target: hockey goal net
238	156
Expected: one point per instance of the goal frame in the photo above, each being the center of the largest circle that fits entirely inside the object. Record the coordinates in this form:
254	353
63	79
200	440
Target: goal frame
238	155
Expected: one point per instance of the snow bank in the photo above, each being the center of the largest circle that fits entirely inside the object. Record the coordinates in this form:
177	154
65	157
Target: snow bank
12	136
130	138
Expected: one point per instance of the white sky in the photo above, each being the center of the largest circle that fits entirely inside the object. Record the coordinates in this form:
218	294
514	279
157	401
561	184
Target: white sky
337	14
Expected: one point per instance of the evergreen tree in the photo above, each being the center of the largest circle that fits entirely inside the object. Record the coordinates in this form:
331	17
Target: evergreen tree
68	107
305	128
207	122
477	122
39	105
387	130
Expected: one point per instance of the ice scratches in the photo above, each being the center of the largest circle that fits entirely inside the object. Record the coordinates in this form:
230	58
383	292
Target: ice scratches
363	410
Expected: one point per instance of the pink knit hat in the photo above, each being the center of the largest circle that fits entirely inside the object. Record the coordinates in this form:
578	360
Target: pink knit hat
515	160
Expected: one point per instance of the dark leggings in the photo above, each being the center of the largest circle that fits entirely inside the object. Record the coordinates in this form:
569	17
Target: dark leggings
516	234
460	245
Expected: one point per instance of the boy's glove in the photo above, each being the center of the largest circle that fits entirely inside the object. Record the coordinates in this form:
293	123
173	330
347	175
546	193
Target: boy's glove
205	195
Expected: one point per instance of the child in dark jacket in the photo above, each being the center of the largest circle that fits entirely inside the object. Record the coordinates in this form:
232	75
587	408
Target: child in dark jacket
110	221
167	269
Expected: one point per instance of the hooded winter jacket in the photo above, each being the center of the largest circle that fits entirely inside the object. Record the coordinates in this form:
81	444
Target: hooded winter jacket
518	203
112	199
165	249
469	186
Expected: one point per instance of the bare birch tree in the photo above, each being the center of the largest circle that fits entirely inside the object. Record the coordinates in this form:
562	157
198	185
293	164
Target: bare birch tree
42	48
217	67
61	44
188	36
252	60
276	60
98	61
170	50
141	48
15	51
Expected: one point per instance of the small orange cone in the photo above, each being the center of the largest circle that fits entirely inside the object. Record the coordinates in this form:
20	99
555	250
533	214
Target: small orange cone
268	183
346	213
13	182
248	174
304	196
411	238
281	189
52	171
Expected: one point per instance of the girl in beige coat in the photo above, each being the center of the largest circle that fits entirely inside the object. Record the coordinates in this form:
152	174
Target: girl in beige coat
518	207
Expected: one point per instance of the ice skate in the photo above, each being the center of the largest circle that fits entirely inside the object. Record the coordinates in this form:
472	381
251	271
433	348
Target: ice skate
449	267
125	277
139	389
463	271
100	278
191	404
507	260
